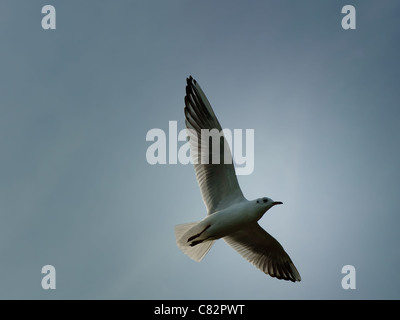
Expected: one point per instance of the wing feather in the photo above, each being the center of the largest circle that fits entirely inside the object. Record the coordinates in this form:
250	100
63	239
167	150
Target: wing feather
263	251
218	182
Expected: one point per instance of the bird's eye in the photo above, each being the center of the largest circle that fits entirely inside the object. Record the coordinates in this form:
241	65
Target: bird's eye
257	201
265	200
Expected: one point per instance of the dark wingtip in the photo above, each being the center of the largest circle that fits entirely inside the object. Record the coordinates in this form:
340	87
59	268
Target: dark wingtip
190	84
190	80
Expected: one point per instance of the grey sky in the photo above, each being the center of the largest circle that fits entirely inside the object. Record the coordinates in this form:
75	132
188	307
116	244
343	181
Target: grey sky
76	103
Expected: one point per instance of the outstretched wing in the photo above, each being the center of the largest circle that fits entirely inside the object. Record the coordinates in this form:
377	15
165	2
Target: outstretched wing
264	251
218	182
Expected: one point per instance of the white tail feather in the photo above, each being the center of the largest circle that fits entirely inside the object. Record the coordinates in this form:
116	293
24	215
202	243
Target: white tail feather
198	251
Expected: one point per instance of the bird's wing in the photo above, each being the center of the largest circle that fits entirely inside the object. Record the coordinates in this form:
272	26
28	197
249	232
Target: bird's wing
264	251
218	182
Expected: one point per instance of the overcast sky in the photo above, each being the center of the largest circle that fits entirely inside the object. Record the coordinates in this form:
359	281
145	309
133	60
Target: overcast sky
76	103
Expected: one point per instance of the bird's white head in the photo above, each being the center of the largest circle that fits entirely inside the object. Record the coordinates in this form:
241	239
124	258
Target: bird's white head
266	203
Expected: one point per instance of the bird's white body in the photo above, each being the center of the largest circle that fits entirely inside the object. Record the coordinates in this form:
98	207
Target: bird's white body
229	220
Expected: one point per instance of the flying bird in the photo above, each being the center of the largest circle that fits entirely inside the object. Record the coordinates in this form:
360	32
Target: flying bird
230	215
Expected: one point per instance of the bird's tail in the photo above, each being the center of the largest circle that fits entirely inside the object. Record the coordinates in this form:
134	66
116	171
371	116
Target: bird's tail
186	235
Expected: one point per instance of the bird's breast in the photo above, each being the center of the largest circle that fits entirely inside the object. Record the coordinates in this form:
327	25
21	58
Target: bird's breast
229	220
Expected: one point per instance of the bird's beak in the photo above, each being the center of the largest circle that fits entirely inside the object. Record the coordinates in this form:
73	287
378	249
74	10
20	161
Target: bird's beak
277	202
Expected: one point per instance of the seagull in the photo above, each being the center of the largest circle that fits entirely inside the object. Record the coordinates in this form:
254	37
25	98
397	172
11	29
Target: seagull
230	215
